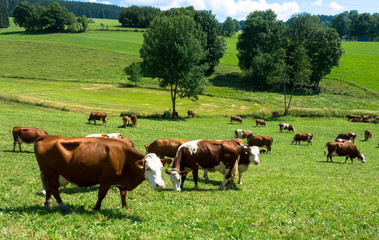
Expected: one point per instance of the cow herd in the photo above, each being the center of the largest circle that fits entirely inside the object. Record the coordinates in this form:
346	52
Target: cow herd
110	160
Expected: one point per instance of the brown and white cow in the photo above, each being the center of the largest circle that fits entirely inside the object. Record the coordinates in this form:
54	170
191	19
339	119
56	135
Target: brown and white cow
302	137
209	155
91	161
97	116
240	133
347	136
191	113
134	120
286	126
366	118
343	140
165	147
343	149
275	114
353	117
260	122
368	135
236	118
260	141
26	135
125	121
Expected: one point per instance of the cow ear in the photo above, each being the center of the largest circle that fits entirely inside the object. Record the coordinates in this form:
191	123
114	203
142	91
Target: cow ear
166	162
140	164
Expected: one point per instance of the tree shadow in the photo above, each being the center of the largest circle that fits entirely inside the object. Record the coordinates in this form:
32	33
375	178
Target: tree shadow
11	151
232	80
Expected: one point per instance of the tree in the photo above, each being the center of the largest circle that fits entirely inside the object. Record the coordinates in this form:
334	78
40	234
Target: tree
362	25
237	25
341	23
172	50
58	16
229	29
21	13
260	47
4	19
134	72
82	23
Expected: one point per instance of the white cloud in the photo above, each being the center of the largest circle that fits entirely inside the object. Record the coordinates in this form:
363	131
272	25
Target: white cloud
317	3
102	2
336	6
238	9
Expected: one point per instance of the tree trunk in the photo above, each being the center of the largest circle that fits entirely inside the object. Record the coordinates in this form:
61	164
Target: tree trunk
173	96
289	103
285	100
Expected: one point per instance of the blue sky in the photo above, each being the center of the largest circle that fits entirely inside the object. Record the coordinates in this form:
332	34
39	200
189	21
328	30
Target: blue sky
239	9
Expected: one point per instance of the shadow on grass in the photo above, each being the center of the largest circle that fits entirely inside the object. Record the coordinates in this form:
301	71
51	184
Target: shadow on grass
42	210
232	80
11	151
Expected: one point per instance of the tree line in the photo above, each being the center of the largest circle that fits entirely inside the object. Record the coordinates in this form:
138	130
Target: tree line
53	18
91	10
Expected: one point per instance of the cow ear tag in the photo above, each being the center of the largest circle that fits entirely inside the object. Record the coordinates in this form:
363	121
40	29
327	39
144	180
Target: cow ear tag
140	166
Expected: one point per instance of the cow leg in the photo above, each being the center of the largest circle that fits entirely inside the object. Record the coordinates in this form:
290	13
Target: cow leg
123	193
14	146
195	175
19	146
206	175
183	176
223	183
103	190
48	200
239	178
94	122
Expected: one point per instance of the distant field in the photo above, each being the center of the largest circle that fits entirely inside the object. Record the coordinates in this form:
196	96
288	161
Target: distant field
292	194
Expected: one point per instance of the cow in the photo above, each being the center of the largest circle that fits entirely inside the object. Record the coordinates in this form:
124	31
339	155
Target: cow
134	120
209	155
240	133
353	117
275	114
236	118
165	147
26	135
97	116
125	121
366	118
286	126
343	149
347	136
377	120
302	137
191	113
260	122
175	115
342	140
91	161
260	141
368	135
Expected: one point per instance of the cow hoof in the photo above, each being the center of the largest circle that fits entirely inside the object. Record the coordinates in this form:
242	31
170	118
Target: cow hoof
43	192
49	204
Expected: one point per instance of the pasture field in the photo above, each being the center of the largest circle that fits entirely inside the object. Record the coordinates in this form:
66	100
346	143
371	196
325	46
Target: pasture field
292	194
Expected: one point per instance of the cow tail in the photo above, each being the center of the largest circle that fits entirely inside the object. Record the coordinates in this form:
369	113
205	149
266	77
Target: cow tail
325	149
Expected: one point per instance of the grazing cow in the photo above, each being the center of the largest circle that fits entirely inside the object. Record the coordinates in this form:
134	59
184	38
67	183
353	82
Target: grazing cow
26	135
368	135
302	137
343	140
175	115
260	122
353	117
191	113
343	149
91	161
260	141
347	136
209	155
97	116
125	120
134	120
275	114
286	126
164	147
377	120
236	118
366	118
239	133
107	135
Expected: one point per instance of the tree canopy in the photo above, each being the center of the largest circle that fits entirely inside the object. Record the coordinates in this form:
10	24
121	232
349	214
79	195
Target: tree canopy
4	19
172	51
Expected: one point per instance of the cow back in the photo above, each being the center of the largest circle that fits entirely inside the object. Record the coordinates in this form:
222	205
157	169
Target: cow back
27	134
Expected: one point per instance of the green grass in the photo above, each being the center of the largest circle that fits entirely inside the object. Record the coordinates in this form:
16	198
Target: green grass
292	194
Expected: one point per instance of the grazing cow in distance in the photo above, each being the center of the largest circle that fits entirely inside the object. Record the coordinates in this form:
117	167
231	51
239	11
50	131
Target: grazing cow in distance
275	114
240	133
302	137
260	141
134	120
97	116
368	135
377	120
125	120
343	140
260	122
343	149
91	161
191	113
175	115
26	135
286	126
366	118
107	135
347	136
236	118
353	117
165	147
211	156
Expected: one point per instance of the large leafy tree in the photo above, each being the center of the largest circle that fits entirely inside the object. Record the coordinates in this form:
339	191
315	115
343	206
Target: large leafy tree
172	51
260	47
21	13
341	23
4	19
229	28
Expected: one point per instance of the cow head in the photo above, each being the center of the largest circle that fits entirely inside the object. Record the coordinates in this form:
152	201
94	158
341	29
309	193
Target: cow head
362	158
175	178
152	166
292	141
253	153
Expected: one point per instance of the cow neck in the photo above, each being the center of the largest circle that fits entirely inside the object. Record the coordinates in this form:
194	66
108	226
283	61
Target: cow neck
138	177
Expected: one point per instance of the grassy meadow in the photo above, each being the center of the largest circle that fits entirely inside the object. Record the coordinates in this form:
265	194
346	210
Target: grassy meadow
53	82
